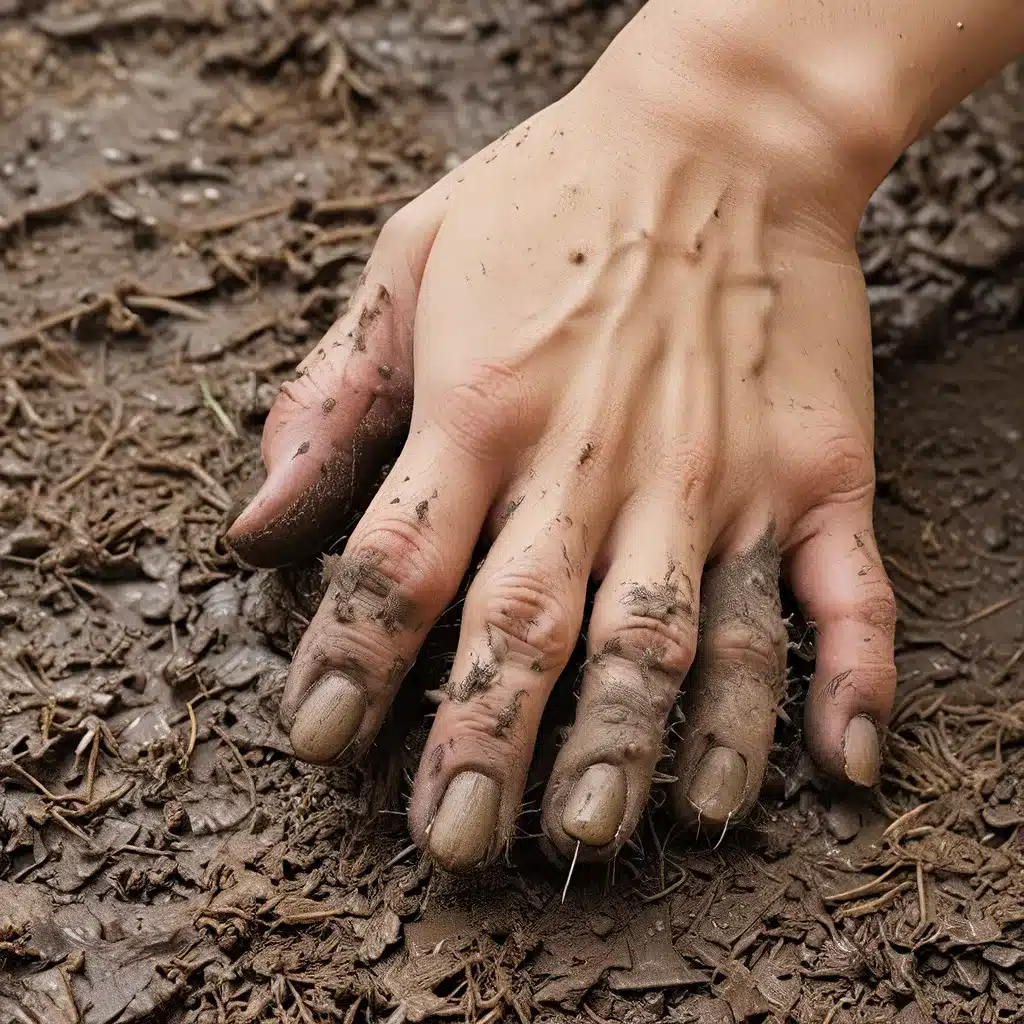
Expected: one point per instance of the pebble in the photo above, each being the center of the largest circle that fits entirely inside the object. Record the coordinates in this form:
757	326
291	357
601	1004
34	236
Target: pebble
843	821
995	538
188	198
113	155
211	194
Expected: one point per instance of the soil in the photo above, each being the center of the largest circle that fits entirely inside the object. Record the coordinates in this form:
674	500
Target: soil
188	192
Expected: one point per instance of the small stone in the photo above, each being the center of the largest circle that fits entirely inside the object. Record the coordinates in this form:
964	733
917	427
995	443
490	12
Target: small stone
113	155
167	135
601	925
843	821
211	194
188	198
300	178
995	538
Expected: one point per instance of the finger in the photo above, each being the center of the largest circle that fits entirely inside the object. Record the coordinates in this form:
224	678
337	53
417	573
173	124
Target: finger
643	630
520	623
402	565
837	576
734	688
333	427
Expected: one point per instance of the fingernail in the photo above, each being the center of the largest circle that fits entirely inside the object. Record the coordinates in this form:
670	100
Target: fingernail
860	751
460	837
717	787
594	809
328	719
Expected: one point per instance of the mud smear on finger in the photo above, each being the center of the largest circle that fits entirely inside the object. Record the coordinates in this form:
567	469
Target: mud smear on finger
337	498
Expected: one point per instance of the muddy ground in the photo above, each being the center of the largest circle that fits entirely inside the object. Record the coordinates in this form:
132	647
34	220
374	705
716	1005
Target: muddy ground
187	194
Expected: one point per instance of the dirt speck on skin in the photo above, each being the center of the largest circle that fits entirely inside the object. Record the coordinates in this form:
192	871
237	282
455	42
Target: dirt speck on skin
479	678
163	856
359	589
508	714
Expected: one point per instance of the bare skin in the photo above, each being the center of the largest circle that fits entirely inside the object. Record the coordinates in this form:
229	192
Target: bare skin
631	342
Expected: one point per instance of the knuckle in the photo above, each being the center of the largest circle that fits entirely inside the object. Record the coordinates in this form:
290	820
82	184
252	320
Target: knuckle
667	644
399	230
872	604
876	606
694	469
527	608
361	654
403	550
845	467
478	413
755	649
629	721
480	736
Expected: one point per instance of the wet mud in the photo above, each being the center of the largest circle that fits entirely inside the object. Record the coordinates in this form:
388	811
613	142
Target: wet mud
188	194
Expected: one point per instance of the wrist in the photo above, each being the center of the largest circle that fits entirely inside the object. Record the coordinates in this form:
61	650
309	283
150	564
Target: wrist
790	103
820	99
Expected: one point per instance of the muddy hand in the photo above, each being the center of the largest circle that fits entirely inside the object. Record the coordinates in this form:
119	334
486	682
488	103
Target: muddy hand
641	355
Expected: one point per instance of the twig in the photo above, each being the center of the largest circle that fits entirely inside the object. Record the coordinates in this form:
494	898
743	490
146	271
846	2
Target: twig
216	408
162	304
992	609
921	901
193	729
29	778
871	906
235	220
1008	667
904	818
351	233
73	829
116	416
54	320
90	774
683	875
361	204
863	890
309	916
400	856
179	464
245	768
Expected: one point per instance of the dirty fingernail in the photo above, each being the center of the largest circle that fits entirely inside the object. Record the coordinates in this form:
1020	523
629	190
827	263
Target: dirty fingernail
718	784
460	837
328	719
594	809
860	751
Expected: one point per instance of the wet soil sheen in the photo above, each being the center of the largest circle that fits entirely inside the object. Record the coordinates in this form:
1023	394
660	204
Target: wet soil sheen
188	192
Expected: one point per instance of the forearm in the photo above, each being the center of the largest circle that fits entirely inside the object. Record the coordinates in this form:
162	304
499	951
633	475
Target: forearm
862	77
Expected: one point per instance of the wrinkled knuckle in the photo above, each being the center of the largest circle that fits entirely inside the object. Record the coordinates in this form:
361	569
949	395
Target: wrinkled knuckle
361	654
665	644
481	737
479	413
877	608
527	608
694	470
846	468
754	649
403	550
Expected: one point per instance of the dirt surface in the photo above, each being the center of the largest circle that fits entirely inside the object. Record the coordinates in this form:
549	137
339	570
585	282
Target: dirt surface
188	192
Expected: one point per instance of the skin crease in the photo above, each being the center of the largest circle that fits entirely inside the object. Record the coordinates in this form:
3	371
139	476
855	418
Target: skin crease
636	336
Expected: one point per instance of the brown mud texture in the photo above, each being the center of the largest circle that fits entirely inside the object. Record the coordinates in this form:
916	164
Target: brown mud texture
188	192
